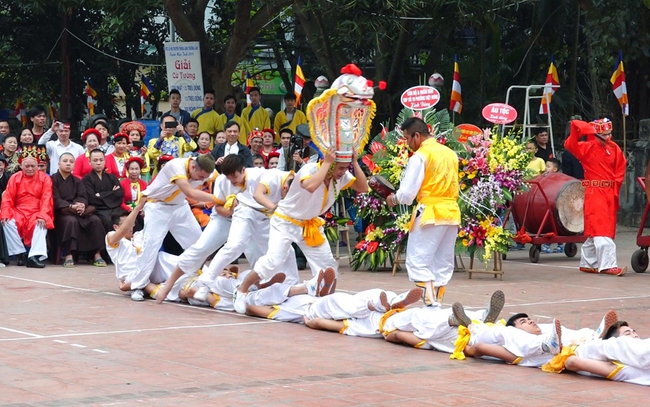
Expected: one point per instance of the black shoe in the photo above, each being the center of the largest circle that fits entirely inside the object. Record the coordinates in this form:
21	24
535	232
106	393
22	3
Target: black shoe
302	265
20	260
34	262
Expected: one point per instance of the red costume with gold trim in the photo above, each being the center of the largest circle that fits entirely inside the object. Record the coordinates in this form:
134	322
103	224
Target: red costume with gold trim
26	200
604	165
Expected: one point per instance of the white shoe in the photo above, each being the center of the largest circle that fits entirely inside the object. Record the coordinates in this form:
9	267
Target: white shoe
202	294
380	303
553	342
239	302
137	295
312	285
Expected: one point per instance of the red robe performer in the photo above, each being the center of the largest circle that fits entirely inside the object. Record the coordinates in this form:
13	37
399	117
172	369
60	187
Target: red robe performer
27	210
604	165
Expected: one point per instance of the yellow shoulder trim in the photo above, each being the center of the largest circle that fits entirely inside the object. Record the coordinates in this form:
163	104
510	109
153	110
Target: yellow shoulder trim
349	184
517	361
420	344
115	246
177	177
266	185
305	177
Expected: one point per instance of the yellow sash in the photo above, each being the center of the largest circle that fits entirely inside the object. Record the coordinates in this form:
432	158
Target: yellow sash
310	229
429	212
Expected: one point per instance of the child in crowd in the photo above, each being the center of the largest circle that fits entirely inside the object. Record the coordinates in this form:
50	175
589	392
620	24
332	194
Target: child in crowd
553	165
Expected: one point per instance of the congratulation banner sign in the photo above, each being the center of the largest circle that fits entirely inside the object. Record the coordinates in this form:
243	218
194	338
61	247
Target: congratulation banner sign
183	61
464	131
499	113
420	97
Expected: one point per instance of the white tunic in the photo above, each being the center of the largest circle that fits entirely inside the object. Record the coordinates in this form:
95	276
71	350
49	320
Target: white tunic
300	204
273	180
164	189
224	188
252	178
124	255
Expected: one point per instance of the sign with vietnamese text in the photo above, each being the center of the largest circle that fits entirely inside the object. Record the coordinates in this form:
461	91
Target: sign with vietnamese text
183	60
420	97
499	113
463	132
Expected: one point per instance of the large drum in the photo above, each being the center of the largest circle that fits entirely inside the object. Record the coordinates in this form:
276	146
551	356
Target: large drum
566	198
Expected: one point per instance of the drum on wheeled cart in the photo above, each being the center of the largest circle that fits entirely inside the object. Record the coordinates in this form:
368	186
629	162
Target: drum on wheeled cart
551	211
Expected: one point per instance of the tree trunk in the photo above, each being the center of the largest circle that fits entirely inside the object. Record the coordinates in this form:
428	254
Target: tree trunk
573	69
318	40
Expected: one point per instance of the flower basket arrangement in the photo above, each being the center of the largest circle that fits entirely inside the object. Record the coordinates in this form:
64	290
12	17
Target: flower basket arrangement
492	169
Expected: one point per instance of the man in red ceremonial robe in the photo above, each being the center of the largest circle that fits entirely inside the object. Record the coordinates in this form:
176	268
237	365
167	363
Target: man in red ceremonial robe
27	211
604	165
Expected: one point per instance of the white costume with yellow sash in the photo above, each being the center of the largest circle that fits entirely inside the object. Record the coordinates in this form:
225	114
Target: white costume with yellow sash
431	176
166	210
215	233
296	220
249	233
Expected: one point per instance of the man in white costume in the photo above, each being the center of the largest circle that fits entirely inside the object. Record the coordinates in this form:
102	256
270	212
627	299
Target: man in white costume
296	219
167	209
422	328
431	177
280	304
213	236
250	224
124	249
620	356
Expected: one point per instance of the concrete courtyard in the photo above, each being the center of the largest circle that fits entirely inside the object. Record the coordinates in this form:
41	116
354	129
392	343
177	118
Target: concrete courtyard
68	337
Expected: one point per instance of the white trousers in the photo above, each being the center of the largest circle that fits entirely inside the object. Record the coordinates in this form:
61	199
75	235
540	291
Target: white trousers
340	306
15	242
249	233
159	219
516	341
213	237
273	295
429	324
281	234
430	253
598	253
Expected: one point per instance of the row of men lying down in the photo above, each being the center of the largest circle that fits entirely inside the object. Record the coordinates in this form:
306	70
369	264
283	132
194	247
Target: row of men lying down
613	350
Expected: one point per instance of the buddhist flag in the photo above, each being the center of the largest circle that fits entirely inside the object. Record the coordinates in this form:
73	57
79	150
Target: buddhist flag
456	102
146	89
300	81
247	88
618	85
91	97
551	80
20	112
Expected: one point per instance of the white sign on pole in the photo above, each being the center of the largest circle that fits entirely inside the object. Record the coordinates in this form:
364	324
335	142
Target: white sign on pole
183	61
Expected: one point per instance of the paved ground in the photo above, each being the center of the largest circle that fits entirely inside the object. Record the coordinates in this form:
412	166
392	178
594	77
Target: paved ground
68	337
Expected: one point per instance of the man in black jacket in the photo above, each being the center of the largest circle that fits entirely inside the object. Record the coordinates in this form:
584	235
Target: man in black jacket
232	146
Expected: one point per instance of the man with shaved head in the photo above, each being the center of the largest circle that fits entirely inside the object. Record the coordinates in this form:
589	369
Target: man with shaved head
27	210
78	229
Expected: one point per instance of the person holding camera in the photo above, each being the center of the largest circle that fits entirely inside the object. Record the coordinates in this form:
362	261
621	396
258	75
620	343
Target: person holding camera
168	143
55	148
300	151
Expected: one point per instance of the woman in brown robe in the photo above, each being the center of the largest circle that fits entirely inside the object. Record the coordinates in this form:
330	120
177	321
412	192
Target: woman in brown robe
77	228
